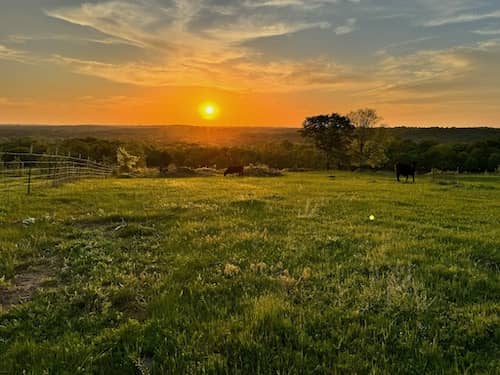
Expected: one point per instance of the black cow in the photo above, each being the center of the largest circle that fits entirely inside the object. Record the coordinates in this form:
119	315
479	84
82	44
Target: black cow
234	170
403	169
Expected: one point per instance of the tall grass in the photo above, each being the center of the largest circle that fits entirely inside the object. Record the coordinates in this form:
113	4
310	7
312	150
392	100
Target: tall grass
254	275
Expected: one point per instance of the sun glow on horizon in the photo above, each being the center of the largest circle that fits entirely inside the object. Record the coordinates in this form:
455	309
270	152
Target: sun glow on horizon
209	110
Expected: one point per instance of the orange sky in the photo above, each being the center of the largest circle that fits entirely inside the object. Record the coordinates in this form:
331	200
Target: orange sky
181	106
264	63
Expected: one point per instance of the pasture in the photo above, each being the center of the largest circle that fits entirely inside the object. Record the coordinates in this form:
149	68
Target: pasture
284	275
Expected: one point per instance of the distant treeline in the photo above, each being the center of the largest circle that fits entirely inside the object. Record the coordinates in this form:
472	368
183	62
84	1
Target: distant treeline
478	156
228	136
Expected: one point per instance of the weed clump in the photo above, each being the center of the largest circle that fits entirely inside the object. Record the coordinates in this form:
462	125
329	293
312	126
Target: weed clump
287	281
260	267
231	270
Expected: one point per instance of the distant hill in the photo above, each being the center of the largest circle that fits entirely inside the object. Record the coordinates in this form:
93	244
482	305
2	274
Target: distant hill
225	136
221	136
445	135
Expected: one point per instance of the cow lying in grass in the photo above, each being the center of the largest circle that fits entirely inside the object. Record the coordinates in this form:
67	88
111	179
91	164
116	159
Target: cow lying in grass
234	170
403	169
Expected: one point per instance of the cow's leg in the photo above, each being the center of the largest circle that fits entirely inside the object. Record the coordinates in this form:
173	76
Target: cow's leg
413	175
407	178
397	177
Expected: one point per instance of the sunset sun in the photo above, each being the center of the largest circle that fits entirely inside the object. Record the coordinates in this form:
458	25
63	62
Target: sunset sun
209	111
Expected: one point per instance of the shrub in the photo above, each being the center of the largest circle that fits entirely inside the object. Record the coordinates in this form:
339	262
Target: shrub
180	172
126	161
206	171
262	170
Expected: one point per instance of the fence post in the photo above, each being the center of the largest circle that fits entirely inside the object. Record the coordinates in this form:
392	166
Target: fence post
68	168
29	180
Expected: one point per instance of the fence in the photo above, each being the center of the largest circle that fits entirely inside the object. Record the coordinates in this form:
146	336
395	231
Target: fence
26	171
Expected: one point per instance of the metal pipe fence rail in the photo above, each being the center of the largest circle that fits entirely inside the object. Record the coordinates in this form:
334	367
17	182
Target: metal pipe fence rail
25	171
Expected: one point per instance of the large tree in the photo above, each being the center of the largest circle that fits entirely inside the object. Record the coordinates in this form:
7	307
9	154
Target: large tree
363	119
332	134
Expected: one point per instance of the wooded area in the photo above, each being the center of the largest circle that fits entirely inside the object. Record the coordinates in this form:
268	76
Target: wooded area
453	149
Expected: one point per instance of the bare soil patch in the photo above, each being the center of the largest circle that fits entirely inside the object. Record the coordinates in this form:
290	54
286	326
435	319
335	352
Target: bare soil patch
23	287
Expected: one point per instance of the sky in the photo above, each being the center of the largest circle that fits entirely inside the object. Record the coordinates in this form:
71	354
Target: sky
261	62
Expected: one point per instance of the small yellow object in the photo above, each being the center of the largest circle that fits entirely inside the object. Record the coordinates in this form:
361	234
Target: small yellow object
372	217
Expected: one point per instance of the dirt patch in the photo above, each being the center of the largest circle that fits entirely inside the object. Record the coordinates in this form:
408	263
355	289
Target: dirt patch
23	287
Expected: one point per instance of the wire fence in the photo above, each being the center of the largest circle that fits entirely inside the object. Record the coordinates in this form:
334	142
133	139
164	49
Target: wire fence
27	171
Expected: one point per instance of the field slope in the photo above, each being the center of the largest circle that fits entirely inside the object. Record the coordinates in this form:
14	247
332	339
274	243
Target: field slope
245	275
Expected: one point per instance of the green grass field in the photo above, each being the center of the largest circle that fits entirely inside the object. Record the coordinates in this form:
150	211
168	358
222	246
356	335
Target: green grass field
233	275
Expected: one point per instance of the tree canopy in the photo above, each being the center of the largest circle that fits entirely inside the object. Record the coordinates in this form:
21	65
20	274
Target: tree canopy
363	119
332	134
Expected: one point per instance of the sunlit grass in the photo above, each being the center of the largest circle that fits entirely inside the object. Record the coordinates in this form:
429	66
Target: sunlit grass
255	275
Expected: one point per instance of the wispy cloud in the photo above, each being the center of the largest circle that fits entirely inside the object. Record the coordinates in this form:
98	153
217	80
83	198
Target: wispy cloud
244	75
347	28
438	72
488	32
403	43
191	51
127	21
7	53
14	102
213	55
335	50
462	18
22	39
251	29
151	25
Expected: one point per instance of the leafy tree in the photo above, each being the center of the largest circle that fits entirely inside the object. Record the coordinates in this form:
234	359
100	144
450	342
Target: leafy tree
402	151
471	164
494	162
440	156
157	158
364	119
480	154
332	134
375	148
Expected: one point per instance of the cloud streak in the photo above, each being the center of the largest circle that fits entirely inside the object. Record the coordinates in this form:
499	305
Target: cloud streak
462	18
347	28
7	53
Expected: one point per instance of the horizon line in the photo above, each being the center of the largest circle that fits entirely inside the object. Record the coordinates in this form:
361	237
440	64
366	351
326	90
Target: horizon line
383	126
